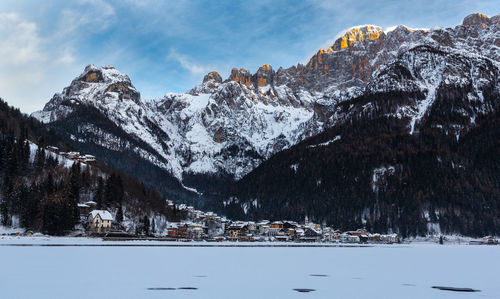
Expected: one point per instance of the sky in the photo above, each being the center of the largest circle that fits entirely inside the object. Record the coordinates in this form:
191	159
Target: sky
168	46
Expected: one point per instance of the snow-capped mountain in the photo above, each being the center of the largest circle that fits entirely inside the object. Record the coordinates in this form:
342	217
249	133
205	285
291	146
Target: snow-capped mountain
228	127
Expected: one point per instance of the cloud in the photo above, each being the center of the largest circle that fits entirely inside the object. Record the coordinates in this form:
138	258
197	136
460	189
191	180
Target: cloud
30	67
89	16
186	63
66	57
20	41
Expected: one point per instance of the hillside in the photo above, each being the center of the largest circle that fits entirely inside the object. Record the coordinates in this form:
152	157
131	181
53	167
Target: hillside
387	116
221	130
40	189
381	172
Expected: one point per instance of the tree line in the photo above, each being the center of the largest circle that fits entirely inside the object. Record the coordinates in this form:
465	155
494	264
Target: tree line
38	192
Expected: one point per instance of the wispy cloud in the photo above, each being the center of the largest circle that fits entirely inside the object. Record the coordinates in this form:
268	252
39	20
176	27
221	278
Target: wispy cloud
195	69
30	67
20	40
88	16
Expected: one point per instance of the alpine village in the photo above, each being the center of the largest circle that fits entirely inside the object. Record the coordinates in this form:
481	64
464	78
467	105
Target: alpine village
349	148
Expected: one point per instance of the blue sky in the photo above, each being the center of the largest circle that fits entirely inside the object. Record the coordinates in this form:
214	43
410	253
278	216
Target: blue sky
168	46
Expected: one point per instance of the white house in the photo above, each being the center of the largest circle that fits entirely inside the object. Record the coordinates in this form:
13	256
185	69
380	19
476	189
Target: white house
100	221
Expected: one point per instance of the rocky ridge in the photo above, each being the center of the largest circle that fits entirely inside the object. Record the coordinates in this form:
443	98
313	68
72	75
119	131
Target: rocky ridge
228	127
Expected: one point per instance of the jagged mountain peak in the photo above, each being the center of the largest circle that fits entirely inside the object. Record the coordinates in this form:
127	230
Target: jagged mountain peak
230	126
358	34
265	67
242	76
212	76
96	86
476	19
103	74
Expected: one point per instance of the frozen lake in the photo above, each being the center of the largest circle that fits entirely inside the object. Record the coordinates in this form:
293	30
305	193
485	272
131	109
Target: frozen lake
403	271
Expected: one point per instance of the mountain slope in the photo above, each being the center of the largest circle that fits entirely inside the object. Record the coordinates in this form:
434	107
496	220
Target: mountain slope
40	189
224	129
419	153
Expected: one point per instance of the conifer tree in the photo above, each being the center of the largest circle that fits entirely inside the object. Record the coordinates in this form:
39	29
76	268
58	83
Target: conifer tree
119	215
4	212
39	158
145	225
73	194
99	193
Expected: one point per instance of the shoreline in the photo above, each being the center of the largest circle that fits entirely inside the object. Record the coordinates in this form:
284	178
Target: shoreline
53	241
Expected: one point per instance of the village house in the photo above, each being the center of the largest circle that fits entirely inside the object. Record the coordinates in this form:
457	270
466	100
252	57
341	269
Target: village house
71	155
195	231
299	233
277	225
100	221
84	209
290	225
182	231
252	228
51	148
312	234
263	227
87	158
392	238
348	238
172	229
237	230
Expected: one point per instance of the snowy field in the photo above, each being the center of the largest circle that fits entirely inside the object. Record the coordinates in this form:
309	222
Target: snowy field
395	271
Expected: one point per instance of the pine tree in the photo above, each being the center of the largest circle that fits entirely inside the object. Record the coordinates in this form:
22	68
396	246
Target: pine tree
73	194
39	162
4	212
119	215
99	193
145	225
153	226
114	190
30	209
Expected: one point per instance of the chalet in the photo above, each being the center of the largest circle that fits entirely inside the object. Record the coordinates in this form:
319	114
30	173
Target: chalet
195	231
347	238
100	221
392	238
172	229
71	155
252	228
289	224
183	231
263	227
211	215
358	232
354	233
299	232
375	238
328	234
274	231
277	224
51	148
91	204
490	240
87	158
237	229
84	209
312	232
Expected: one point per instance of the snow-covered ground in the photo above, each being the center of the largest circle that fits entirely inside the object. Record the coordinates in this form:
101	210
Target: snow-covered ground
395	271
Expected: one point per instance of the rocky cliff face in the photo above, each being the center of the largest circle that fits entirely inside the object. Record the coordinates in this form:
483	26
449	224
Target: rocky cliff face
228	127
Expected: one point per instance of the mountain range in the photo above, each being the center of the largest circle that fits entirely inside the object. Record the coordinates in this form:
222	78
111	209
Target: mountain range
343	139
